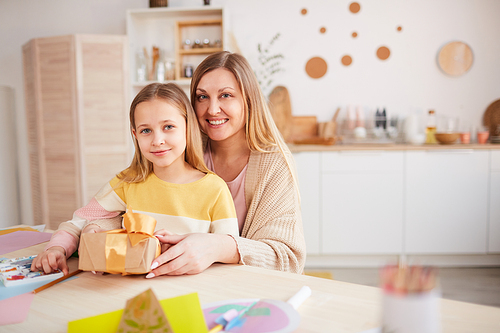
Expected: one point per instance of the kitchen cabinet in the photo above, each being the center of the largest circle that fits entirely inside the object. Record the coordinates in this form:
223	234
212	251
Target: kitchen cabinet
167	28
307	165
446	201
365	206
77	112
494	203
361	202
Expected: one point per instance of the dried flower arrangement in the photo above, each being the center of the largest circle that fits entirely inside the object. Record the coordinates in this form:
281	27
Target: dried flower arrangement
269	64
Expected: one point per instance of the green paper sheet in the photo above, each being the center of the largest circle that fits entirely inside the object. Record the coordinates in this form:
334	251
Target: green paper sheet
184	314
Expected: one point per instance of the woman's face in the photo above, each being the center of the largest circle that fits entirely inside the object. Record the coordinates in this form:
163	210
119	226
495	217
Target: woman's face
219	106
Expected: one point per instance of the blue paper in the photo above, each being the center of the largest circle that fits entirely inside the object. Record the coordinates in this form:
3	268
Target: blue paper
7	292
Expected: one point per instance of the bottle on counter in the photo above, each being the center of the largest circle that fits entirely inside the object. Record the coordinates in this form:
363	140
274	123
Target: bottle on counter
430	130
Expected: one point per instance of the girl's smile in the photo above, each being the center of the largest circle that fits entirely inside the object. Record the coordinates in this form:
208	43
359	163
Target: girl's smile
160	152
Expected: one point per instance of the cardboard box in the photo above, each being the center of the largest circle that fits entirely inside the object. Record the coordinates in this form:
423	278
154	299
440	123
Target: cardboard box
121	251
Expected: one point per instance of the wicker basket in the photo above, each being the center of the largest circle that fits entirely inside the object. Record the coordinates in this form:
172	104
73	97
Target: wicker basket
158	3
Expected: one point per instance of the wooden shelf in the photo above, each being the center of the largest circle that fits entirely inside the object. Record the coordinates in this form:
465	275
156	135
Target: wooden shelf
198	23
180	82
203	50
181	54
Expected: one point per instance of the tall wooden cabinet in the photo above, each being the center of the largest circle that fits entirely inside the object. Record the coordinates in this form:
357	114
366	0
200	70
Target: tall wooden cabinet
76	91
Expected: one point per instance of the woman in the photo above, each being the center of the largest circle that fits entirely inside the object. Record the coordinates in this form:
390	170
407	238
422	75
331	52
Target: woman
245	148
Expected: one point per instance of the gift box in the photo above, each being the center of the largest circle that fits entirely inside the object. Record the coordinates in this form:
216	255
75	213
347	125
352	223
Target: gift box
121	251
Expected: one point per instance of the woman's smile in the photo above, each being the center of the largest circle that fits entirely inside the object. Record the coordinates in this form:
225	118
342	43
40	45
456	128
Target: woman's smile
217	122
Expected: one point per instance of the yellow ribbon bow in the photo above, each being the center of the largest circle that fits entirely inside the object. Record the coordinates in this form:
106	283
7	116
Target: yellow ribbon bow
138	227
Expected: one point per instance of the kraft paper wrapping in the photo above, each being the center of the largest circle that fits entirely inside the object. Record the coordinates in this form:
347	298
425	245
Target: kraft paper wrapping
121	251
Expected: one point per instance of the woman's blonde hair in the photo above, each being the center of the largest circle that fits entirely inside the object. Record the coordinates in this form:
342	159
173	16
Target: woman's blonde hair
261	131
140	167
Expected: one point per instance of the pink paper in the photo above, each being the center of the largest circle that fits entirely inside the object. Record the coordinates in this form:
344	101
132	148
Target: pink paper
15	309
21	239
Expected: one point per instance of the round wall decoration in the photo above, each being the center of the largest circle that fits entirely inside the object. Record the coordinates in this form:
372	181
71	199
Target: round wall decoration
455	58
316	67
346	60
354	7
383	52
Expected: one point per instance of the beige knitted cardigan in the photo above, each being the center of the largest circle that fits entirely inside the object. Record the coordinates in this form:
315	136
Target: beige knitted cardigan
272	236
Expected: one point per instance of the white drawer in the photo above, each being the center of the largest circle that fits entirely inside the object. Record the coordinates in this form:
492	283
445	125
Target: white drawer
495	160
362	161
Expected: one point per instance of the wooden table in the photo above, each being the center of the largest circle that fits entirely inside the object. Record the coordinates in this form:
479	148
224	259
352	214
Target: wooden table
333	306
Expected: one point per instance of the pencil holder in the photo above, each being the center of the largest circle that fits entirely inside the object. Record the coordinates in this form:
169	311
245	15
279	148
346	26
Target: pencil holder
411	313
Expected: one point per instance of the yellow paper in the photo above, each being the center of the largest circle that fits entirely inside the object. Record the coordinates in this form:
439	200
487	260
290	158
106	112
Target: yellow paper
8	231
184	314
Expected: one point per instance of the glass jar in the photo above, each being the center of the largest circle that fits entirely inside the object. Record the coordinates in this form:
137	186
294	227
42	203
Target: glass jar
141	66
188	71
169	69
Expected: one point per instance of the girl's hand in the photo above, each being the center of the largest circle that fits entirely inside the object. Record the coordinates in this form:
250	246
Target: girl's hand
193	253
51	260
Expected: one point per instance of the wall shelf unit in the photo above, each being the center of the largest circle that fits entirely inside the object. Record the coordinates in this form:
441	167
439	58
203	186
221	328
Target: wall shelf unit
167	28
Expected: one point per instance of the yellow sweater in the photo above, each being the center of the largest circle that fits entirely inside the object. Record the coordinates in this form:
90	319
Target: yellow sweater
204	205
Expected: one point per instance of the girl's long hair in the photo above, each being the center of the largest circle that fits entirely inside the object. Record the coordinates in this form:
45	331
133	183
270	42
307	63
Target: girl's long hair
140	168
262	134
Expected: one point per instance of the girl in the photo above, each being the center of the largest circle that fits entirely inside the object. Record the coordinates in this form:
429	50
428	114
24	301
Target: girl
245	148
167	180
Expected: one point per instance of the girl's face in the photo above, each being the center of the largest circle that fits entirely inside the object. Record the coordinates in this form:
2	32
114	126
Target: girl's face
219	105
161	134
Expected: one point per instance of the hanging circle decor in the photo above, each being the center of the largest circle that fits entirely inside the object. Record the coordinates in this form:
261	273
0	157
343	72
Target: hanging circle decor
354	7
455	58
383	53
316	67
346	60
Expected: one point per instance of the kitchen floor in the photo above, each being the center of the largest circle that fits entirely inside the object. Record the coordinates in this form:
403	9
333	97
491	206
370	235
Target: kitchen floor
473	285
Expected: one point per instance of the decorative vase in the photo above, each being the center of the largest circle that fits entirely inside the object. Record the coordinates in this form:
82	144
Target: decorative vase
158	3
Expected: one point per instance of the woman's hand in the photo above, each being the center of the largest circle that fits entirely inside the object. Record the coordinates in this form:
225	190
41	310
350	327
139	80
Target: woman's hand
51	260
192	253
160	234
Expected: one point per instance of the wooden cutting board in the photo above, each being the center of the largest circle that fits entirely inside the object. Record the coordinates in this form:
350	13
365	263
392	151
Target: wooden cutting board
281	110
304	127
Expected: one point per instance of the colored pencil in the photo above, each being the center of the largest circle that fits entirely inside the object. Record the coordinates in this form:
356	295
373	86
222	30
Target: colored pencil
37	290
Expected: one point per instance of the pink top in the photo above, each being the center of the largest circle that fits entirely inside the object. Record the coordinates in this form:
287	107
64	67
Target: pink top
236	187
